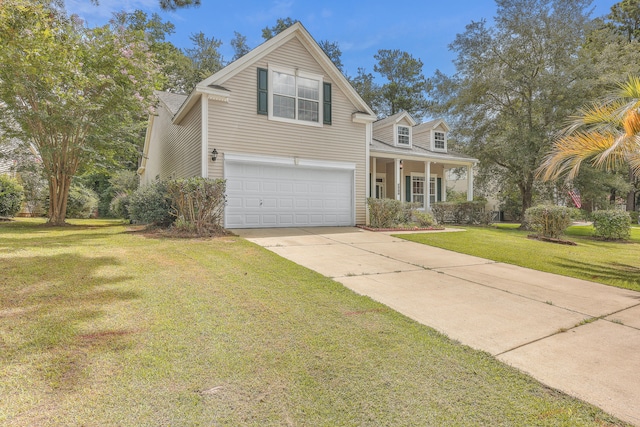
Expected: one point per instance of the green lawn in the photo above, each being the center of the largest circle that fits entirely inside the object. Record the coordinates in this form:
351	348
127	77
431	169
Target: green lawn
103	326
611	263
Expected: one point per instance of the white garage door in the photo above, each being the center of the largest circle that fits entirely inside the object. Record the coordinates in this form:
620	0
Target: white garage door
277	195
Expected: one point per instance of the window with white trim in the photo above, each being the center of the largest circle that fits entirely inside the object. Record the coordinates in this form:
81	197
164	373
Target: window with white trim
403	136
417	190
439	140
295	96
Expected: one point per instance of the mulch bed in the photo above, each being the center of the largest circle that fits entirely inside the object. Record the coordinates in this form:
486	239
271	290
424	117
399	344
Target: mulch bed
552	240
364	227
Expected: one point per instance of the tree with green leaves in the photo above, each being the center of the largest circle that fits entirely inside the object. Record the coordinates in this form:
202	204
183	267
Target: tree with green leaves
239	45
406	86
626	18
75	93
175	67
281	25
515	84
205	57
370	91
332	50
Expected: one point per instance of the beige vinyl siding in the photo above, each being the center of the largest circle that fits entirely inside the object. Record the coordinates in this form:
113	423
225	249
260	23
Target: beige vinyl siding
409	167
175	151
422	137
384	133
236	127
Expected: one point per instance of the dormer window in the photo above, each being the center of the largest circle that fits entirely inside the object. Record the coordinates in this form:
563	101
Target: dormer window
439	141
403	136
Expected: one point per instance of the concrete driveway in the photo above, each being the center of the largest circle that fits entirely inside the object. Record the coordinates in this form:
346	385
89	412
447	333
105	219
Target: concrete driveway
576	336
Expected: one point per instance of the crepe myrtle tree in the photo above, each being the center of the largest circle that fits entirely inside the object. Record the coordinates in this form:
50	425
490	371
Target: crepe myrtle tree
77	94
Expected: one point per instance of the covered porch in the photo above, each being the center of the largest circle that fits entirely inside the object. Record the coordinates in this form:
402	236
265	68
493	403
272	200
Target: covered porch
402	177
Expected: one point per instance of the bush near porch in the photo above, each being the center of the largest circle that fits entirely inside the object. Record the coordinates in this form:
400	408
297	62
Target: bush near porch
465	212
390	213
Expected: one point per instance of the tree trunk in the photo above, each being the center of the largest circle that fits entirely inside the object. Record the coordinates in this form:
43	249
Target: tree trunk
631	195
58	195
526	191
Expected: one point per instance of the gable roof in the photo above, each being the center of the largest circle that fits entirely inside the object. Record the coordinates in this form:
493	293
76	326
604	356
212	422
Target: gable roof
214	84
173	101
393	119
432	124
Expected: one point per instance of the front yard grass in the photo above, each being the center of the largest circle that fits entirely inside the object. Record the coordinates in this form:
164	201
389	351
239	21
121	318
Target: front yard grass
103	326
611	263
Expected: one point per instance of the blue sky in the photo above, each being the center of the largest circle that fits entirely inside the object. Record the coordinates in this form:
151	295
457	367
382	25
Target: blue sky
422	28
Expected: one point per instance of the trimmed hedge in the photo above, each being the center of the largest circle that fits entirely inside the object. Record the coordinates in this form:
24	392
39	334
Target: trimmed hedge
549	221
11	194
472	213
611	225
389	213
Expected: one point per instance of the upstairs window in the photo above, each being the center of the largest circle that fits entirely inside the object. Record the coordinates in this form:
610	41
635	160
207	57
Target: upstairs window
439	141
293	96
403	136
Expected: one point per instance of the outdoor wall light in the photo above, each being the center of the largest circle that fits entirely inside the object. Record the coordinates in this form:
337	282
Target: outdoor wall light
214	155
400	164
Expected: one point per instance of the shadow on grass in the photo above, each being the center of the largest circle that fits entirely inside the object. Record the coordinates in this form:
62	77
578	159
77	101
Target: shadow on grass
611	271
48	240
46	305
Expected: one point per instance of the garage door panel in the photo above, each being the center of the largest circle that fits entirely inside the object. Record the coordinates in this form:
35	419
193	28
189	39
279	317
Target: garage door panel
285	203
251	202
270	187
285	187
267	195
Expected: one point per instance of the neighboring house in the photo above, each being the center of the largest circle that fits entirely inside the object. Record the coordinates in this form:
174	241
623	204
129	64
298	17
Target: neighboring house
292	138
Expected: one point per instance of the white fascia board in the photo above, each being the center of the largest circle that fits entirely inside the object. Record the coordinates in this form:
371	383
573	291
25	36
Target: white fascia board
193	98
432	158
288	161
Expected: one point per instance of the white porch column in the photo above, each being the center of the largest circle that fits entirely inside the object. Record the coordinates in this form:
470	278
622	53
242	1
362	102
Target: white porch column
374	177
427	186
397	189
444	184
470	183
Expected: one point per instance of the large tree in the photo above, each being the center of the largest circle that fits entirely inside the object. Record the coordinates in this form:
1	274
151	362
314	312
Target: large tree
75	93
239	45
405	87
515	84
205	57
175	67
281	25
332	50
364	83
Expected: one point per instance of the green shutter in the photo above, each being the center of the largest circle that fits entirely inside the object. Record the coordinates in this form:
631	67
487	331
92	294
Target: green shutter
326	103
439	189
408	189
263	91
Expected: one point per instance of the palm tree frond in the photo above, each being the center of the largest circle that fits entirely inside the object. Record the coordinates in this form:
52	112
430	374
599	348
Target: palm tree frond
606	133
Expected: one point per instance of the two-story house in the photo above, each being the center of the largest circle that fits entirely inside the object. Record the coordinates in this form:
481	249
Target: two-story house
292	138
